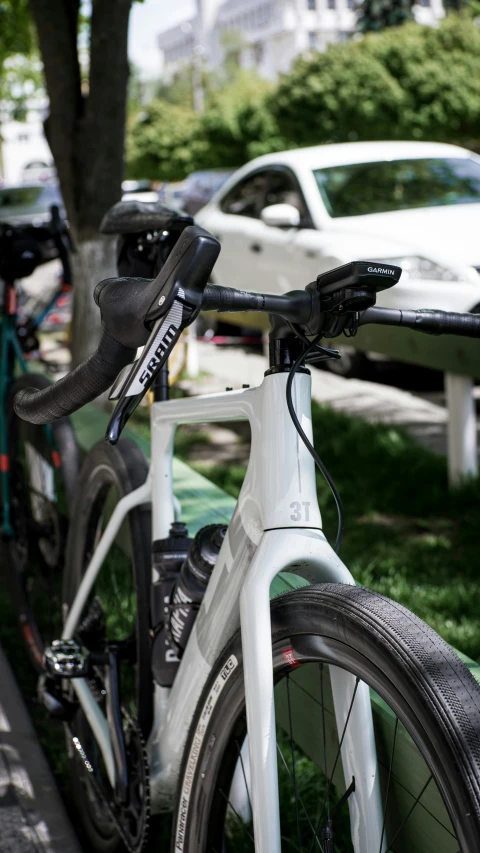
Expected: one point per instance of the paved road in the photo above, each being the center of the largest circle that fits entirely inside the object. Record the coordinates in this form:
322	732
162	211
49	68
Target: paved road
32	815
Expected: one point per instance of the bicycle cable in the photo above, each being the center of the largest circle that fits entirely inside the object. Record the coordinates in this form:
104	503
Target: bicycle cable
324	355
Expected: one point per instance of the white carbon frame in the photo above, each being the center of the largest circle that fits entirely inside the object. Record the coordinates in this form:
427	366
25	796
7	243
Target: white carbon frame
276	526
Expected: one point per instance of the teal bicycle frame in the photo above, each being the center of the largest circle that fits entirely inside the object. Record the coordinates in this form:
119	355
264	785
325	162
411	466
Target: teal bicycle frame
11	356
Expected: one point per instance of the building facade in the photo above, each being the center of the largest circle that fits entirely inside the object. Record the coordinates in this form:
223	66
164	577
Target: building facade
23	147
267	34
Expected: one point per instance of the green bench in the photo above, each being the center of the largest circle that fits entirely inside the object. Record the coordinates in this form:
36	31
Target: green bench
428	828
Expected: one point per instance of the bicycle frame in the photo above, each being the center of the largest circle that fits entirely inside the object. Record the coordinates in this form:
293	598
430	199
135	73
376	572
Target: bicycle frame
10	350
275	527
11	353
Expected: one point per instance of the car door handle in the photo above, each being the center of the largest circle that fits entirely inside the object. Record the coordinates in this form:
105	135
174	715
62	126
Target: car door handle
256	247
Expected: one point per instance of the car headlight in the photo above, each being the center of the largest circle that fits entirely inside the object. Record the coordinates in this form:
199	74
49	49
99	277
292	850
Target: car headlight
414	266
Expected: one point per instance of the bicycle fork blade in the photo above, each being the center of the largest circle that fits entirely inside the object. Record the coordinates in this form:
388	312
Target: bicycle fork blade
259	698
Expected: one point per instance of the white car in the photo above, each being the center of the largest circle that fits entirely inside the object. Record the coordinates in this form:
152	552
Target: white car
284	218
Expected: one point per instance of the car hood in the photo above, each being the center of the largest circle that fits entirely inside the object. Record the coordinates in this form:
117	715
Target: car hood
450	232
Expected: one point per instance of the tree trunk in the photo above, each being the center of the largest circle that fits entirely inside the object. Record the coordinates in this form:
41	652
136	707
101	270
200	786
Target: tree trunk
92	261
85	130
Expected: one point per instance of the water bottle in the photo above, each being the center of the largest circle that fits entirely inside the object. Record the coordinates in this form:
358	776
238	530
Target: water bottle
184	601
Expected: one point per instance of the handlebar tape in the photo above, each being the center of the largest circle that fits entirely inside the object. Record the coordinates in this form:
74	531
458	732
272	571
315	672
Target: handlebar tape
426	320
228	299
90	379
448	323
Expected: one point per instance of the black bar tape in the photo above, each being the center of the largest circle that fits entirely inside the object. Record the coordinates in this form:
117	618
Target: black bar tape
227	299
90	379
448	323
432	322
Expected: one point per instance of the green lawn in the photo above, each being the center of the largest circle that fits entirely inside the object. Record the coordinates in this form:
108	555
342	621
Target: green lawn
406	534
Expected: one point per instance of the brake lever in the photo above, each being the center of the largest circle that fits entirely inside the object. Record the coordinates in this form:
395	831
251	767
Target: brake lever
179	292
165	334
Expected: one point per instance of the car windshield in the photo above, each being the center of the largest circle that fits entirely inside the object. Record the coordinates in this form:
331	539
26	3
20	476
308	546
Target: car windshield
20	201
361	188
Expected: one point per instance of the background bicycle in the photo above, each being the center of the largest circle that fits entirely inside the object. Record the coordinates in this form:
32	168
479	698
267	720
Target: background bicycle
39	465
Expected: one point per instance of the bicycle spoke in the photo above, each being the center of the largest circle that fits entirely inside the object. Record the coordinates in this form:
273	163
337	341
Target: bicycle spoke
357	681
410	812
388	784
316	838
292	748
239	818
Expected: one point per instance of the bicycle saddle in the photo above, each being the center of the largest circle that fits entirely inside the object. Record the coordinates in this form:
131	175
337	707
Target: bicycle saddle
133	217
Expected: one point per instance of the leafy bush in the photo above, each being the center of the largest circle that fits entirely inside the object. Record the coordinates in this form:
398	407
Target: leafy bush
167	141
342	94
410	82
377	14
237	125
159	142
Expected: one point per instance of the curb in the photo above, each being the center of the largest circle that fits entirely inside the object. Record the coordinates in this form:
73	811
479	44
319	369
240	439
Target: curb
32	814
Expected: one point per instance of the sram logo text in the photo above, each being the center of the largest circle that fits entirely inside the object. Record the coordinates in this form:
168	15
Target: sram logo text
157	356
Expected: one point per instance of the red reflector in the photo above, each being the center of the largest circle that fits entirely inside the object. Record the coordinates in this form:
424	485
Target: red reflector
56	459
11	301
4	466
289	657
32	645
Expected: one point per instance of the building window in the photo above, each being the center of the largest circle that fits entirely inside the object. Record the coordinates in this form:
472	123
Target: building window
312	39
423	2
331	4
312	5
351	4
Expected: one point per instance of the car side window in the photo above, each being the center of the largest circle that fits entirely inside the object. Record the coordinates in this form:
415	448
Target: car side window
283	189
248	197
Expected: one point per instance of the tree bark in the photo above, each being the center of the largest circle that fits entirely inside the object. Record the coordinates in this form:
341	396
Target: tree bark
85	132
92	261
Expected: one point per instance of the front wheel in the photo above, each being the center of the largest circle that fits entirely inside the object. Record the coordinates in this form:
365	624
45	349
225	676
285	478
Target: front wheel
426	717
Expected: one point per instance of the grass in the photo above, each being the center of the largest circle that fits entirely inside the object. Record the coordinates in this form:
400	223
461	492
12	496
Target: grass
406	534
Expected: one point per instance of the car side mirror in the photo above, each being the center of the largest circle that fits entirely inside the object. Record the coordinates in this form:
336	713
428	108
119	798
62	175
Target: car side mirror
281	215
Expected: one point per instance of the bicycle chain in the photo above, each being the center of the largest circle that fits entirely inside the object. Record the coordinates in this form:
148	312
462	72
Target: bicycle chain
137	844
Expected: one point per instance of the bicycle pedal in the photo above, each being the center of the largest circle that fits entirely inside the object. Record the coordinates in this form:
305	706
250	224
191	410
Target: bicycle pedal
66	659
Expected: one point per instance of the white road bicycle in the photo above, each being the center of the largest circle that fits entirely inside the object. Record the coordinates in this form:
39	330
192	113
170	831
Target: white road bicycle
264	725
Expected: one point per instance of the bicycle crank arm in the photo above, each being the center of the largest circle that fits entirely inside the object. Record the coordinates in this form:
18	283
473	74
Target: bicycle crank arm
66	660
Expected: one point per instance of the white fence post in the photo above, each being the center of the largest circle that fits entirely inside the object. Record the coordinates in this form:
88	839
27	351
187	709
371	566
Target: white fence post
462	428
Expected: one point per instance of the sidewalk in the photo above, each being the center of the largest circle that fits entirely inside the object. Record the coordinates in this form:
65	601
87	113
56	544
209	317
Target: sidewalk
32	815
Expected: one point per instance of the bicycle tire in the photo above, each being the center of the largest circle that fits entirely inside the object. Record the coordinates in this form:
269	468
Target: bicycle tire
122	469
410	667
43	468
